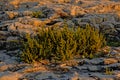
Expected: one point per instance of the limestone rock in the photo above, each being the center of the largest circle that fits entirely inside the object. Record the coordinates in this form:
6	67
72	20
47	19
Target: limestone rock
44	75
70	23
115	51
117	76
106	25
74	76
94	68
10	76
11	38
12	15
87	20
96	61
110	61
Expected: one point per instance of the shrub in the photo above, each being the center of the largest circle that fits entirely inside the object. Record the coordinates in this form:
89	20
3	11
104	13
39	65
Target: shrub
89	41
62	44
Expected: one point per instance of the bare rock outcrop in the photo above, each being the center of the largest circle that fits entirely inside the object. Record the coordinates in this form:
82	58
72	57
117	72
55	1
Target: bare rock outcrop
21	17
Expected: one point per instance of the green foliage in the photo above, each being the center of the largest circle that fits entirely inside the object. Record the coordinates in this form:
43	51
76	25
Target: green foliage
89	41
62	44
38	14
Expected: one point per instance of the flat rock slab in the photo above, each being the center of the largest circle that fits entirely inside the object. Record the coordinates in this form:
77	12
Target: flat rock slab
110	60
10	76
17	19
94	68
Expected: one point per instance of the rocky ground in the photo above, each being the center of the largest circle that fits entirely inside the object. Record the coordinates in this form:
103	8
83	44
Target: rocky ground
102	68
17	19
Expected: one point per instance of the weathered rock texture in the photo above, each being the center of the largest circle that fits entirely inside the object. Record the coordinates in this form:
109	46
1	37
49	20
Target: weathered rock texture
17	19
103	68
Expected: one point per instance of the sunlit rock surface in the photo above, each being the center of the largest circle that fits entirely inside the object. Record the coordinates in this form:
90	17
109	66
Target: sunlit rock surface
17	18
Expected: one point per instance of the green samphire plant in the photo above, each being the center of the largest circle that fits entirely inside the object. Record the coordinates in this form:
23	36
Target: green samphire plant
62	44
89	41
